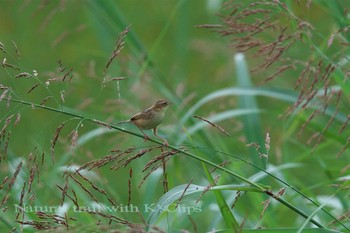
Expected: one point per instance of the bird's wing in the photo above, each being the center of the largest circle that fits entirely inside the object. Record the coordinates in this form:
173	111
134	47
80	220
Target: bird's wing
147	114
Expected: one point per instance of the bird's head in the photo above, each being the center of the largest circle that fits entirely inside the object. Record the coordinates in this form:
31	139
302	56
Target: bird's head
160	104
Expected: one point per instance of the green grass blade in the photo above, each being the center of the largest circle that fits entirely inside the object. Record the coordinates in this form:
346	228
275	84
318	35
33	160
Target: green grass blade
175	193
225	210
282	95
251	123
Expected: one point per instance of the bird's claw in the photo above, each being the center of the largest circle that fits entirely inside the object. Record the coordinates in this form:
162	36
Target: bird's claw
165	143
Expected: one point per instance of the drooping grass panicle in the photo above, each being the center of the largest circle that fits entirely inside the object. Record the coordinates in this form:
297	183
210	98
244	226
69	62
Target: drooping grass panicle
119	45
159	158
213	124
257	29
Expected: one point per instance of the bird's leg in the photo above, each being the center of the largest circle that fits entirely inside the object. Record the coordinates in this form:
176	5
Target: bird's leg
155	134
144	134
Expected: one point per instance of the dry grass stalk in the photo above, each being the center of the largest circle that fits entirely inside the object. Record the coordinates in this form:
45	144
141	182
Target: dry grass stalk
301	79
74	137
45	99
330	121
267	142
279	71
159	158
33	171
216	179
138	155
343	217
255	145
3	94
118	78
238	195
3	152
105	160
313	137
2	87
51	221
258	148
113	218
31	199
99	162
8	101
7	123
119	45
63	74
209	26
207	188
6	178
5	65
308	120
75	200
68	73
281	192
10	184
21	202
97	188
162	158
223	164
24	75
61	67
183	193
268	201
42	158
14	177
65	194
84	188
18	118
62	96
2	47
4	200
37	224
146	176
129	186
165	177
265	205
102	123
347	143
213	124
54	140
64	190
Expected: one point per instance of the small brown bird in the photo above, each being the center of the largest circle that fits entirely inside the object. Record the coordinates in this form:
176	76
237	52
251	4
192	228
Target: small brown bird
150	118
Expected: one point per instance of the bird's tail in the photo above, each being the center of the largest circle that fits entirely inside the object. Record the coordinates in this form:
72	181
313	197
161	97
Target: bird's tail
123	122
